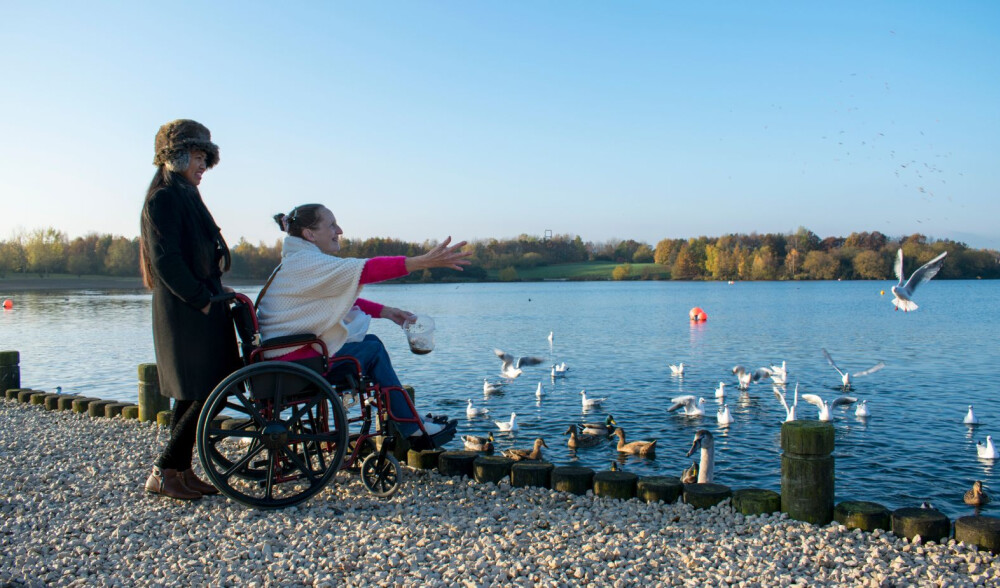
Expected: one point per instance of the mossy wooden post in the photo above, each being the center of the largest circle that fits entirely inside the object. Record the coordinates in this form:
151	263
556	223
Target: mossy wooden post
80	404
531	473
130	412
423	460
96	408
706	494
756	501
979	530
25	394
859	514
151	401
807	471
164	417
456	463
66	402
659	488
115	409
52	401
608	484
930	523
573	479
38	398
10	371
491	468
11	393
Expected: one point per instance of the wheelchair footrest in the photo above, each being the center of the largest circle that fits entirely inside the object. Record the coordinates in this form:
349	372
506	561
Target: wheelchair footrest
438	439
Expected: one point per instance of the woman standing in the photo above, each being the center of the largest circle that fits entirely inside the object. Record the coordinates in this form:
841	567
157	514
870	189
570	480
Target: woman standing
183	255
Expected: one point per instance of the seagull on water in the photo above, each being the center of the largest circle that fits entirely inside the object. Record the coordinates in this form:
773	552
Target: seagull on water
789	408
987	451
971	418
902	292
677	370
508	426
824	408
845	377
474	411
779	373
862	411
723	417
539	392
720	392
589	403
511	366
688	403
559	370
491	387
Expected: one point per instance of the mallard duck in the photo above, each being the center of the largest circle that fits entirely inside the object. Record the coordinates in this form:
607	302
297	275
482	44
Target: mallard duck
706	469
690	475
976	496
604	428
580	441
473	443
643	448
533	454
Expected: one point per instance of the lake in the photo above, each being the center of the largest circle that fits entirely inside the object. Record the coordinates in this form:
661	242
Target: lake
618	339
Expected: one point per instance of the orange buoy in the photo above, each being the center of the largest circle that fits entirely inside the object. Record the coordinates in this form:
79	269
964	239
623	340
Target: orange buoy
697	314
8	304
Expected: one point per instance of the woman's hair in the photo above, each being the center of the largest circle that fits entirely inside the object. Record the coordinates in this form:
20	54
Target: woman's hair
165	177
301	217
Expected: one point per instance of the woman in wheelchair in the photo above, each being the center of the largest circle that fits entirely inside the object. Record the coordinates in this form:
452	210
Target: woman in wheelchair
314	291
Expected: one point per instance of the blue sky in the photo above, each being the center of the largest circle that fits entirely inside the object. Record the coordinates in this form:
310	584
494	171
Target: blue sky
417	120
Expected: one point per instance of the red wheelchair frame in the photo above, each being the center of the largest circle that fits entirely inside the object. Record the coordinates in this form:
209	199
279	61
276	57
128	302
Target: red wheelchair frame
273	433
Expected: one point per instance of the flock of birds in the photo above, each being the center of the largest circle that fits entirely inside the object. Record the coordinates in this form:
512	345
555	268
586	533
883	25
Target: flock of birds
594	434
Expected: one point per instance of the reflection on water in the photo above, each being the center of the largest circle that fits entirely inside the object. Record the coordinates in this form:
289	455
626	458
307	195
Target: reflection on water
618	340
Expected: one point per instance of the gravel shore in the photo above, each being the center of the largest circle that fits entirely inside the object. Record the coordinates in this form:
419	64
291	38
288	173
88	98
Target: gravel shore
72	512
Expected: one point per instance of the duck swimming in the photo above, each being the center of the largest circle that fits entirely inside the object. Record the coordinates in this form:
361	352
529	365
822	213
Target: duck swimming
643	448
474	443
604	428
690	475
582	441
535	453
976	496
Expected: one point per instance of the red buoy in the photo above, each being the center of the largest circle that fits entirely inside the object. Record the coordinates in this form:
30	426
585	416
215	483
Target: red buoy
697	314
8	304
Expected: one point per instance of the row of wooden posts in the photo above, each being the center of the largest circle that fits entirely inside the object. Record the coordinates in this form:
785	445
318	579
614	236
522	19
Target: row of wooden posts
807	471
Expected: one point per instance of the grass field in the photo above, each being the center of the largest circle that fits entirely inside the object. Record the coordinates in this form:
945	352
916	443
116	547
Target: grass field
589	270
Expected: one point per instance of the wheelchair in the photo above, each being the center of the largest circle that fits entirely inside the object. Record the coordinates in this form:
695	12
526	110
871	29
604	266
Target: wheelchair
273	433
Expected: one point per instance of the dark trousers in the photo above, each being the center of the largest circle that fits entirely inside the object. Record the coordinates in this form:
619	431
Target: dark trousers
375	363
183	430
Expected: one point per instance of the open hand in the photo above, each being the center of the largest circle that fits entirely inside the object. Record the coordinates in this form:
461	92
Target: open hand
441	256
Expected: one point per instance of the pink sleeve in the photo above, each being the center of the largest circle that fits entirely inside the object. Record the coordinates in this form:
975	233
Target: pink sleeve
372	309
380	269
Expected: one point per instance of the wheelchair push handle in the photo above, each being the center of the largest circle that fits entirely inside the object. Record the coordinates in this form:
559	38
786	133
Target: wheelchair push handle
224	297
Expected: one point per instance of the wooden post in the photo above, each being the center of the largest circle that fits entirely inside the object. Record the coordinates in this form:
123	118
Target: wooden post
10	371
150	400
530	473
573	479
622	485
807	471
457	463
980	530
930	523
706	494
756	501
491	468
859	514
659	488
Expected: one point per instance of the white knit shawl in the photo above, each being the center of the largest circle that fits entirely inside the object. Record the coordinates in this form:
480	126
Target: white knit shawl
312	293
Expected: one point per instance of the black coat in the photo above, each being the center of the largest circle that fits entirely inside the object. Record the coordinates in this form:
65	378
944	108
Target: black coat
194	351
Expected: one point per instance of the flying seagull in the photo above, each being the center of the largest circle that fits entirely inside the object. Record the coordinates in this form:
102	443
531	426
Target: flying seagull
902	292
511	367
845	377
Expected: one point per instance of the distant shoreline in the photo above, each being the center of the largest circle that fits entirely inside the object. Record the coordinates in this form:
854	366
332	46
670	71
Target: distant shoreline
34	283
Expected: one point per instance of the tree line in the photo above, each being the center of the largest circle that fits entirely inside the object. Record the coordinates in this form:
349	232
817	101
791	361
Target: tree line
801	255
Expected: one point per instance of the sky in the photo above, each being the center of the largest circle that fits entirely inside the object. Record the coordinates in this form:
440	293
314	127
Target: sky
417	120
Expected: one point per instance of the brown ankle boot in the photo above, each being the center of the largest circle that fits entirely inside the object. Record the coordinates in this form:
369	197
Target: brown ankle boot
169	483
193	482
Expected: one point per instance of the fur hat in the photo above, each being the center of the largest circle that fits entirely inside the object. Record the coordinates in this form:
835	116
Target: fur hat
176	139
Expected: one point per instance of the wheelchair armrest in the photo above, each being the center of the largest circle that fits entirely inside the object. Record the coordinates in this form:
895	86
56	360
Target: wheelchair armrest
289	340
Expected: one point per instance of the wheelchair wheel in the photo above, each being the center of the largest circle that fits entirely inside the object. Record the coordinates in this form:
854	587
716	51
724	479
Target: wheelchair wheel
381	481
289	437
